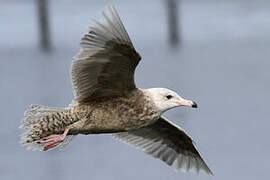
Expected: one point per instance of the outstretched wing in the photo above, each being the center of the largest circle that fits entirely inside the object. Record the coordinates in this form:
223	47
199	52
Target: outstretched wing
167	142
106	63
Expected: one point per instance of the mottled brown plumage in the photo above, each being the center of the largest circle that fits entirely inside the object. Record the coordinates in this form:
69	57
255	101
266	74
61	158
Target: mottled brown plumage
107	101
116	114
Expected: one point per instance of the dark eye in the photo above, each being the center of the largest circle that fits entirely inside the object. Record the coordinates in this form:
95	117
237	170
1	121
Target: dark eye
169	96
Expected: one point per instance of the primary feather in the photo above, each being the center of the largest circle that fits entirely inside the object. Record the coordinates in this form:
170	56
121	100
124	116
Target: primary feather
167	142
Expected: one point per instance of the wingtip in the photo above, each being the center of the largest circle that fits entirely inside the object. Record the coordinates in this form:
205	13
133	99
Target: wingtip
210	173
207	170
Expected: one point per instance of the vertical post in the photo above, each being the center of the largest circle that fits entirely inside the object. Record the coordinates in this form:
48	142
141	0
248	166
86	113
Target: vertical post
44	31
172	7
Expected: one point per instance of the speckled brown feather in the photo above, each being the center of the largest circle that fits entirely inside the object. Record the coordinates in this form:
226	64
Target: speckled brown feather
115	114
106	115
42	121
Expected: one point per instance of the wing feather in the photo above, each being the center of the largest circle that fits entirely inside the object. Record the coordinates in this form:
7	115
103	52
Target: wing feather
168	142
106	64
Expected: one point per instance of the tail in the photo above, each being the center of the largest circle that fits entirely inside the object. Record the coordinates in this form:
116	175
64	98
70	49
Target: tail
42	121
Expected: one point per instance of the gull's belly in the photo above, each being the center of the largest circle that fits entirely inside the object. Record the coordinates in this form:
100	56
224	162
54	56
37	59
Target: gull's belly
121	120
116	114
106	119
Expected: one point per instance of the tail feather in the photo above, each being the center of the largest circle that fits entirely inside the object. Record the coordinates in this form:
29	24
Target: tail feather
41	121
36	113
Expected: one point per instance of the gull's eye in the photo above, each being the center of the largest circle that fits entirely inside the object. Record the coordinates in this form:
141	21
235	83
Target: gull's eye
169	97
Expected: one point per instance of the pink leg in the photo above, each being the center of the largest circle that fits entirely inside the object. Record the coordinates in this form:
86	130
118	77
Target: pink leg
54	139
50	146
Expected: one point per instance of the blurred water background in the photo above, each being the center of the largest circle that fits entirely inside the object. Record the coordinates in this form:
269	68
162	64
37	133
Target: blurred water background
221	61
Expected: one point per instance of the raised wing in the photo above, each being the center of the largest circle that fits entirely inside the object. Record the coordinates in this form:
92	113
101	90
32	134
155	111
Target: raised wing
106	63
168	142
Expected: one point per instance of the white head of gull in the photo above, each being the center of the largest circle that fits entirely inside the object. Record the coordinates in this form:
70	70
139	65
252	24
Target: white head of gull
165	99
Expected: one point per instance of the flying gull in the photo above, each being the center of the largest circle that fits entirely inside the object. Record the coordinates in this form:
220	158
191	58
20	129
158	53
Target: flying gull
108	101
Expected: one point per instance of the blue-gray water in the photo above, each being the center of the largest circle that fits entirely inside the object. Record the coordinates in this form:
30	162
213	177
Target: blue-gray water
222	63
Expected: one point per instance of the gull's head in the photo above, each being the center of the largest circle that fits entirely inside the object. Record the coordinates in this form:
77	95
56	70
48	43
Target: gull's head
165	99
